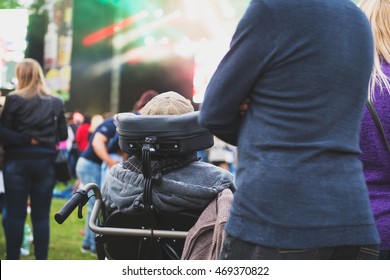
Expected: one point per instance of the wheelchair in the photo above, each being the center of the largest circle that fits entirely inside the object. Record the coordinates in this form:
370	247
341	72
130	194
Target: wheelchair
147	234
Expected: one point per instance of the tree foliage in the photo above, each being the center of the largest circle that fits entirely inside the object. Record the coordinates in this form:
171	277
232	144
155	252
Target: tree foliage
9	4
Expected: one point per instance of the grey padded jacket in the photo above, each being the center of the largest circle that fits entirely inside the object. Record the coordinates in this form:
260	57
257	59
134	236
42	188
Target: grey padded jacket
191	187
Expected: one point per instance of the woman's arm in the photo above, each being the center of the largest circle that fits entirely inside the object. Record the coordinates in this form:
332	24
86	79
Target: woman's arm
9	137
233	82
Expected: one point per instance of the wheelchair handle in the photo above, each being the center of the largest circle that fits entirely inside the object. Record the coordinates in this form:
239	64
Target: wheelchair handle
79	198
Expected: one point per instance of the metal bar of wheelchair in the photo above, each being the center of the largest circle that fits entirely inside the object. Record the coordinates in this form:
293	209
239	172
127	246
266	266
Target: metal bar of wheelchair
76	200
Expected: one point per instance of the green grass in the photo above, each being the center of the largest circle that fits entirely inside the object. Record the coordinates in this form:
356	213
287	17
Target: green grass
65	239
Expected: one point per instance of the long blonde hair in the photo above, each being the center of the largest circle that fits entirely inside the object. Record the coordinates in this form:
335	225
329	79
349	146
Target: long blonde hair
378	13
31	81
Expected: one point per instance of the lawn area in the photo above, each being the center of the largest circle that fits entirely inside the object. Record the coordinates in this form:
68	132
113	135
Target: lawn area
65	239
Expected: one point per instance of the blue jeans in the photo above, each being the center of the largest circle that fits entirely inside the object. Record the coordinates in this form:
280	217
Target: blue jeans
89	172
105	169
24	178
236	249
73	157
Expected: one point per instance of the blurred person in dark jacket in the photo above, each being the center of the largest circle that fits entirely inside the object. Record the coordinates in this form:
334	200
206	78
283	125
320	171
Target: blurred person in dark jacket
29	169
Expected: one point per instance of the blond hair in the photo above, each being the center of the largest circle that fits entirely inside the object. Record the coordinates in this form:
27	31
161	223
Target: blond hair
378	13
167	103
31	81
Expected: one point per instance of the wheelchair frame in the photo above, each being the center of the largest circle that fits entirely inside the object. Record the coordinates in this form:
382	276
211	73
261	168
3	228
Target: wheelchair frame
149	136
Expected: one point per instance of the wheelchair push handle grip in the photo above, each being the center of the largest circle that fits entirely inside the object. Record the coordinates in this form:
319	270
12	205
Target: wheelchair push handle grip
80	197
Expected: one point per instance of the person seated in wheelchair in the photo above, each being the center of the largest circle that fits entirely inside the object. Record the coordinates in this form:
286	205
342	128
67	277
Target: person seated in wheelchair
187	183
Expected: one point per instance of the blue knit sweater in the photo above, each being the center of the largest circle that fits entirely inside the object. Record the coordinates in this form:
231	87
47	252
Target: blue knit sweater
305	66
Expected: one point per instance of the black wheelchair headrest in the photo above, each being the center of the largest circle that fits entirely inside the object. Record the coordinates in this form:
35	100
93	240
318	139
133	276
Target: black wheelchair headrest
171	134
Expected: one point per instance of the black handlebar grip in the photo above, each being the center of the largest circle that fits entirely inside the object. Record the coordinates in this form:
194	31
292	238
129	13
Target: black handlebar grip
79	197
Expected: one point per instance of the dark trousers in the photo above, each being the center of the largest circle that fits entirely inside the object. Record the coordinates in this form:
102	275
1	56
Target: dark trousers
236	249
384	255
24	179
